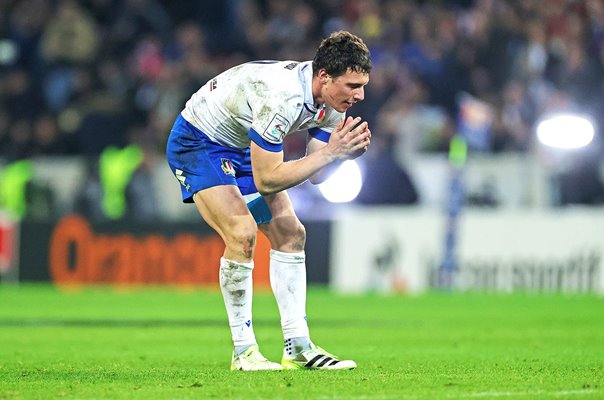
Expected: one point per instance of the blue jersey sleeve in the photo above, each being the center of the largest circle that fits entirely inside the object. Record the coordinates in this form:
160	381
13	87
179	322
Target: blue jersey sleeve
265	144
319	134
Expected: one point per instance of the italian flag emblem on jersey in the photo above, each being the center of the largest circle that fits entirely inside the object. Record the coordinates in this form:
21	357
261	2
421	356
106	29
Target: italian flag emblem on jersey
319	115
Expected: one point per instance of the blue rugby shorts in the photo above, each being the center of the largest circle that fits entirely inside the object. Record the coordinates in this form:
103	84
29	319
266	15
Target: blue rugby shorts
199	163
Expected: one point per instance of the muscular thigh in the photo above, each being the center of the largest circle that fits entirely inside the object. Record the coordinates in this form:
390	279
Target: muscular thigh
224	209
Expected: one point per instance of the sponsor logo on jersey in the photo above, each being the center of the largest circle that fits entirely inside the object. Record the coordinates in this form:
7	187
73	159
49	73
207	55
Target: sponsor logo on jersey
276	130
292	65
227	166
213	84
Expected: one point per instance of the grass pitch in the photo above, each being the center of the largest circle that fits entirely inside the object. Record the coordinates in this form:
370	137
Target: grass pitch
163	343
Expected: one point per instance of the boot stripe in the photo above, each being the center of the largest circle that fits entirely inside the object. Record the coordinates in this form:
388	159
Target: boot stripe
313	361
334	362
325	361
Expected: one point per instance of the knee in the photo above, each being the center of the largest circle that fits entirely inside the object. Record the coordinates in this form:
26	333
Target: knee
300	235
296	236
288	235
242	238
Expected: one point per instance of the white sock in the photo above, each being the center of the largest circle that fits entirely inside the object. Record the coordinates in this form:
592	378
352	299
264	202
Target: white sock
288	281
236	287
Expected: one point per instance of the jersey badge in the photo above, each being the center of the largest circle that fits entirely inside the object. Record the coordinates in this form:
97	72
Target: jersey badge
227	166
276	129
319	116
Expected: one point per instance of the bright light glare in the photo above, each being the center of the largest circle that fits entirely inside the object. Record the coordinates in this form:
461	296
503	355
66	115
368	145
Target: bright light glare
565	131
344	184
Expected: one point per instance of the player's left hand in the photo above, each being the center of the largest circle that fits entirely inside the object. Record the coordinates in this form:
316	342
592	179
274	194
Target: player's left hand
367	142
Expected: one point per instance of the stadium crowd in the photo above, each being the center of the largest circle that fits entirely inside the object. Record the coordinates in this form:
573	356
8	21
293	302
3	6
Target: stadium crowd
78	76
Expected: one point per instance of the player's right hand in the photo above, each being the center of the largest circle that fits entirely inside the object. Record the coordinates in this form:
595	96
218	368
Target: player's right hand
349	139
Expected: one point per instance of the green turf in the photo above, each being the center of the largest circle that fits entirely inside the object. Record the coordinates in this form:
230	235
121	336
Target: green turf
174	344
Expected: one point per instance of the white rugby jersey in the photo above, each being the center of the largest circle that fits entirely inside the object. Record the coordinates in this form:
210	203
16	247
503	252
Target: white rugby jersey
263	101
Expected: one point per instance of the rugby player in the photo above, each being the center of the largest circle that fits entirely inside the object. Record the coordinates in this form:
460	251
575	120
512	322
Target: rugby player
226	150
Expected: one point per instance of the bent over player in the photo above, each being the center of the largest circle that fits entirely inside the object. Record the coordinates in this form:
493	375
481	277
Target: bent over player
226	149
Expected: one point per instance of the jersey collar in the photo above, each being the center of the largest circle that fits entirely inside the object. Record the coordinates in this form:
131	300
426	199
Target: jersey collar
306	71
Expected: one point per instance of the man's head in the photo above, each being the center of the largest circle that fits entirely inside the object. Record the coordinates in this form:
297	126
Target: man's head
340	52
341	69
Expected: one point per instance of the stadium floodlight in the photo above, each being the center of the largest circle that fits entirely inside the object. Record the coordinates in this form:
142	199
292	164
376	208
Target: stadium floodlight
344	184
565	131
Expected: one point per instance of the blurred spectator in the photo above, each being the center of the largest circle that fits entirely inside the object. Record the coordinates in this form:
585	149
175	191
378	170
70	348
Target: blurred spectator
422	52
69	36
532	55
576	75
140	192
47	139
20	94
69	40
4	139
22	28
595	14
89	198
414	125
119	186
100	118
516	119
133	20
20	140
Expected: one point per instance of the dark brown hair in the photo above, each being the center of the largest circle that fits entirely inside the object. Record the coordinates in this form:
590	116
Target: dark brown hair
340	52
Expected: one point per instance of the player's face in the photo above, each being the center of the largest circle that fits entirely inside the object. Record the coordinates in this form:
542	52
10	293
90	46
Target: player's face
343	91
